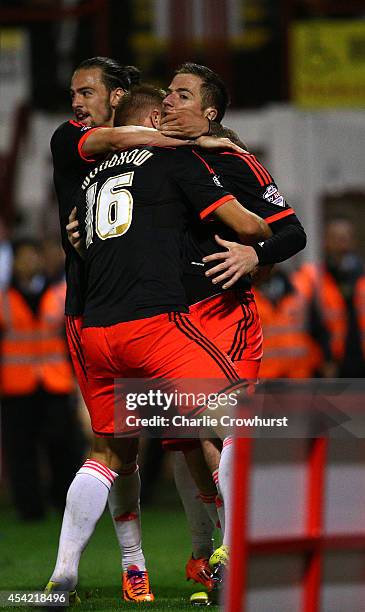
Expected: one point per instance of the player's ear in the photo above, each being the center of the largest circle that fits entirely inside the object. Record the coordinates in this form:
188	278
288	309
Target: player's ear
210	113
155	118
115	96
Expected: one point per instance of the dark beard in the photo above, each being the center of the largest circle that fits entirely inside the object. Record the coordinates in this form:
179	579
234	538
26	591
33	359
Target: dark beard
108	115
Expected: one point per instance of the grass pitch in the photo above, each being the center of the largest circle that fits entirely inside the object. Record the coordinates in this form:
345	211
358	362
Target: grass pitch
28	553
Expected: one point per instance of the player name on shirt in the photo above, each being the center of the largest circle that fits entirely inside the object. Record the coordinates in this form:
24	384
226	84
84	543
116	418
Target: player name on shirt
134	209
137	157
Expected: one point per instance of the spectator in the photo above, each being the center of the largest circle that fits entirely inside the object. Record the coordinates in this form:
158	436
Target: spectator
54	259
39	429
336	288
289	350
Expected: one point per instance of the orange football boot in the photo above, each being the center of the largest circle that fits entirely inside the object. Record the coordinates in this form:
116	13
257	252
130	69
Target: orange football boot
199	571
136	585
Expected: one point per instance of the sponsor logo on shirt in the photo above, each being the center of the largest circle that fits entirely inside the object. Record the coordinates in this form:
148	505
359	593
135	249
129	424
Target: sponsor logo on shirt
217	181
86	127
273	196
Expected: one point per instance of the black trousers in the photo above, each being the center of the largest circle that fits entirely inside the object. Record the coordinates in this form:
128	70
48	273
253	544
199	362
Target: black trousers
43	447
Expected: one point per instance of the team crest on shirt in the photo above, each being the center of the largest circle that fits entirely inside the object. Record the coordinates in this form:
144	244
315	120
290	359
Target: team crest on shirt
273	196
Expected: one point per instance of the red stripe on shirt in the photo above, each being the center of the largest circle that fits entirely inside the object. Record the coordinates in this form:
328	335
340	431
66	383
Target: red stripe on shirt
264	172
215	205
210	169
76	123
81	142
262	175
280	215
255	170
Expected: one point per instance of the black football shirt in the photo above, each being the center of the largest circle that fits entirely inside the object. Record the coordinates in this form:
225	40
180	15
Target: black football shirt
134	208
69	168
253	186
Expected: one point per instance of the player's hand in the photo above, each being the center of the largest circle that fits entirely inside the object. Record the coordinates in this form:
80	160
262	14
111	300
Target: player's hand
183	124
215	144
237	261
73	233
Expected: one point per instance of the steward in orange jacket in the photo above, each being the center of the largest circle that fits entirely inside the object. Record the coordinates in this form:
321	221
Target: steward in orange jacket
39	421
336	287
288	350
33	347
343	313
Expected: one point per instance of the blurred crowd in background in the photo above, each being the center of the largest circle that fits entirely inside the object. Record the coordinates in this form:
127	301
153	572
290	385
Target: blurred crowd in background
313	313
313	323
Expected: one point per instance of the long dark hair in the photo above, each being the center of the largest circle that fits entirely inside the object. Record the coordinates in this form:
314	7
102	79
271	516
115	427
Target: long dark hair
114	74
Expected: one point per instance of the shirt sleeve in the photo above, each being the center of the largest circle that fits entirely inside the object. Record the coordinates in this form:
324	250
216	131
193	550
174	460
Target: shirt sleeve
288	239
251	184
66	145
198	182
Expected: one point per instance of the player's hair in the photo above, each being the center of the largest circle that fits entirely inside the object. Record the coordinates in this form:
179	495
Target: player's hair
221	131
213	90
114	75
134	105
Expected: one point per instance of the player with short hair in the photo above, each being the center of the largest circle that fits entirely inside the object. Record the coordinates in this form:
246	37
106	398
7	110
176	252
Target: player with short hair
229	317
213	102
116	203
87	494
213	91
97	85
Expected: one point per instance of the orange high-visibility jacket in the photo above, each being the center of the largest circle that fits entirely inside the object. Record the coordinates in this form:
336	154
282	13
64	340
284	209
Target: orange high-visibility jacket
33	349
289	351
313	281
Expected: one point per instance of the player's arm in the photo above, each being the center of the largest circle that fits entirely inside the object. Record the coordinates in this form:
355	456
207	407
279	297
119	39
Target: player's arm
248	226
253	185
287	240
203	185
237	260
73	144
105	140
209	198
